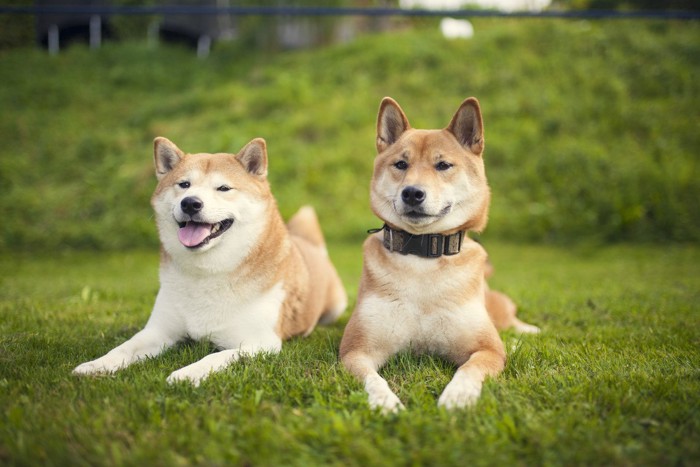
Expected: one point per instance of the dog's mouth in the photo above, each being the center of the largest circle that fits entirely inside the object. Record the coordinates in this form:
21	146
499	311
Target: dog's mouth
418	215
197	234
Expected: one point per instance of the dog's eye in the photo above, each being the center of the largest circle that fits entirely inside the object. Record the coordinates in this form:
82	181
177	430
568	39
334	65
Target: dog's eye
223	188
184	185
401	165
442	165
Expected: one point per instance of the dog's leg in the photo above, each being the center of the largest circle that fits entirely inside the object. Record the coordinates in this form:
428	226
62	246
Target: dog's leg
148	342
362	359
465	387
380	396
364	368
200	370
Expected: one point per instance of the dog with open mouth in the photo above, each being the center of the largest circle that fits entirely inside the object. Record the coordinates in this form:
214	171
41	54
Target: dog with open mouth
231	271
423	280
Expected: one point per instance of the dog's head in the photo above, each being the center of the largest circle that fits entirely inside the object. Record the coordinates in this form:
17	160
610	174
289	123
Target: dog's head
200	198
430	181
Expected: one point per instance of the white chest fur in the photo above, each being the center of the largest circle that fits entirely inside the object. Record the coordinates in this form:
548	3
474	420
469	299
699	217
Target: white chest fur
421	304
218	308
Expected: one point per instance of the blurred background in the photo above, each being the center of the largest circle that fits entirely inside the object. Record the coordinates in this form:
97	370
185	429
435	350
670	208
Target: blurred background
591	113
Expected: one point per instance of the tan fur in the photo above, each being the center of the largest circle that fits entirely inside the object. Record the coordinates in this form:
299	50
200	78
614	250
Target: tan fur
231	270
322	285
435	305
304	224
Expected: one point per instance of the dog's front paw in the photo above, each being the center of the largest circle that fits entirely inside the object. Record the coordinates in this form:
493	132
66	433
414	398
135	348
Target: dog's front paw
189	374
381	397
387	403
106	364
461	392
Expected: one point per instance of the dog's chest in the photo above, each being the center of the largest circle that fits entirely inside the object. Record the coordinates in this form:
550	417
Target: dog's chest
427	284
417	303
400	324
220	309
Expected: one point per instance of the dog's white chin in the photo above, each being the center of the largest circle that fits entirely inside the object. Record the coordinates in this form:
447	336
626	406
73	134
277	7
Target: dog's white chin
431	225
413	225
428	223
204	247
208	258
420	222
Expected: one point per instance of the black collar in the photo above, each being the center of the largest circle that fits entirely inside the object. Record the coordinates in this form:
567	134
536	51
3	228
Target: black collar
426	246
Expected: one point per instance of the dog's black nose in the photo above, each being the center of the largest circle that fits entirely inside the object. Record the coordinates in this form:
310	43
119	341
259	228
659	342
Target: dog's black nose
191	205
412	195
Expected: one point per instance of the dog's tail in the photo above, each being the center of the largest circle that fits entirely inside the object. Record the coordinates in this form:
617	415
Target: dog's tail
305	224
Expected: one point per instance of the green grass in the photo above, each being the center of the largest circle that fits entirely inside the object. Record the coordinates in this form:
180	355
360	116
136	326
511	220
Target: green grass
613	379
591	127
592	136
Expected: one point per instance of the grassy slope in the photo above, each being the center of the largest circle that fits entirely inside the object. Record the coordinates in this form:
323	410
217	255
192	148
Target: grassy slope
612	380
591	127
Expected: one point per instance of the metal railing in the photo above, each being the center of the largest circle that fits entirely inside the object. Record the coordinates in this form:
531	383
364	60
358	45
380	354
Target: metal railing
167	10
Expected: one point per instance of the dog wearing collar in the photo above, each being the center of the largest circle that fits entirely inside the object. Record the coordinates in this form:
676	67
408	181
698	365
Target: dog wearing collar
423	281
231	271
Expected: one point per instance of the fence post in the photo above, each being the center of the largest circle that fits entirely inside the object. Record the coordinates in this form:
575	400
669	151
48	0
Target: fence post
203	46
95	31
53	39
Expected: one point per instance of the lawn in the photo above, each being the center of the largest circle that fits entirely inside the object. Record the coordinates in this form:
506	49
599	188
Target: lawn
613	379
592	141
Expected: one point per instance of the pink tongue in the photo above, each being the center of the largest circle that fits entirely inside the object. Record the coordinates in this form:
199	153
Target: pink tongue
193	233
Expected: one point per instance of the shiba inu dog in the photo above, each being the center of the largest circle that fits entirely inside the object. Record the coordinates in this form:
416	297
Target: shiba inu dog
231	271
423	285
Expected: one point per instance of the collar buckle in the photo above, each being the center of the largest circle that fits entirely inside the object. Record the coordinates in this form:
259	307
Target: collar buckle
435	245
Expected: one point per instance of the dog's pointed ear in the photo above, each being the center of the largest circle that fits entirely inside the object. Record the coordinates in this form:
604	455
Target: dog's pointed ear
253	157
468	127
391	123
166	156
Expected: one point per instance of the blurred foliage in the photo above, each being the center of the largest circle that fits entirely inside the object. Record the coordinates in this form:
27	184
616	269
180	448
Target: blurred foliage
592	128
16	30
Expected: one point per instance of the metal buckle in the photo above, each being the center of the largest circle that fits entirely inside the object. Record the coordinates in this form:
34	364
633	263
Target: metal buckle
436	244
450	247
